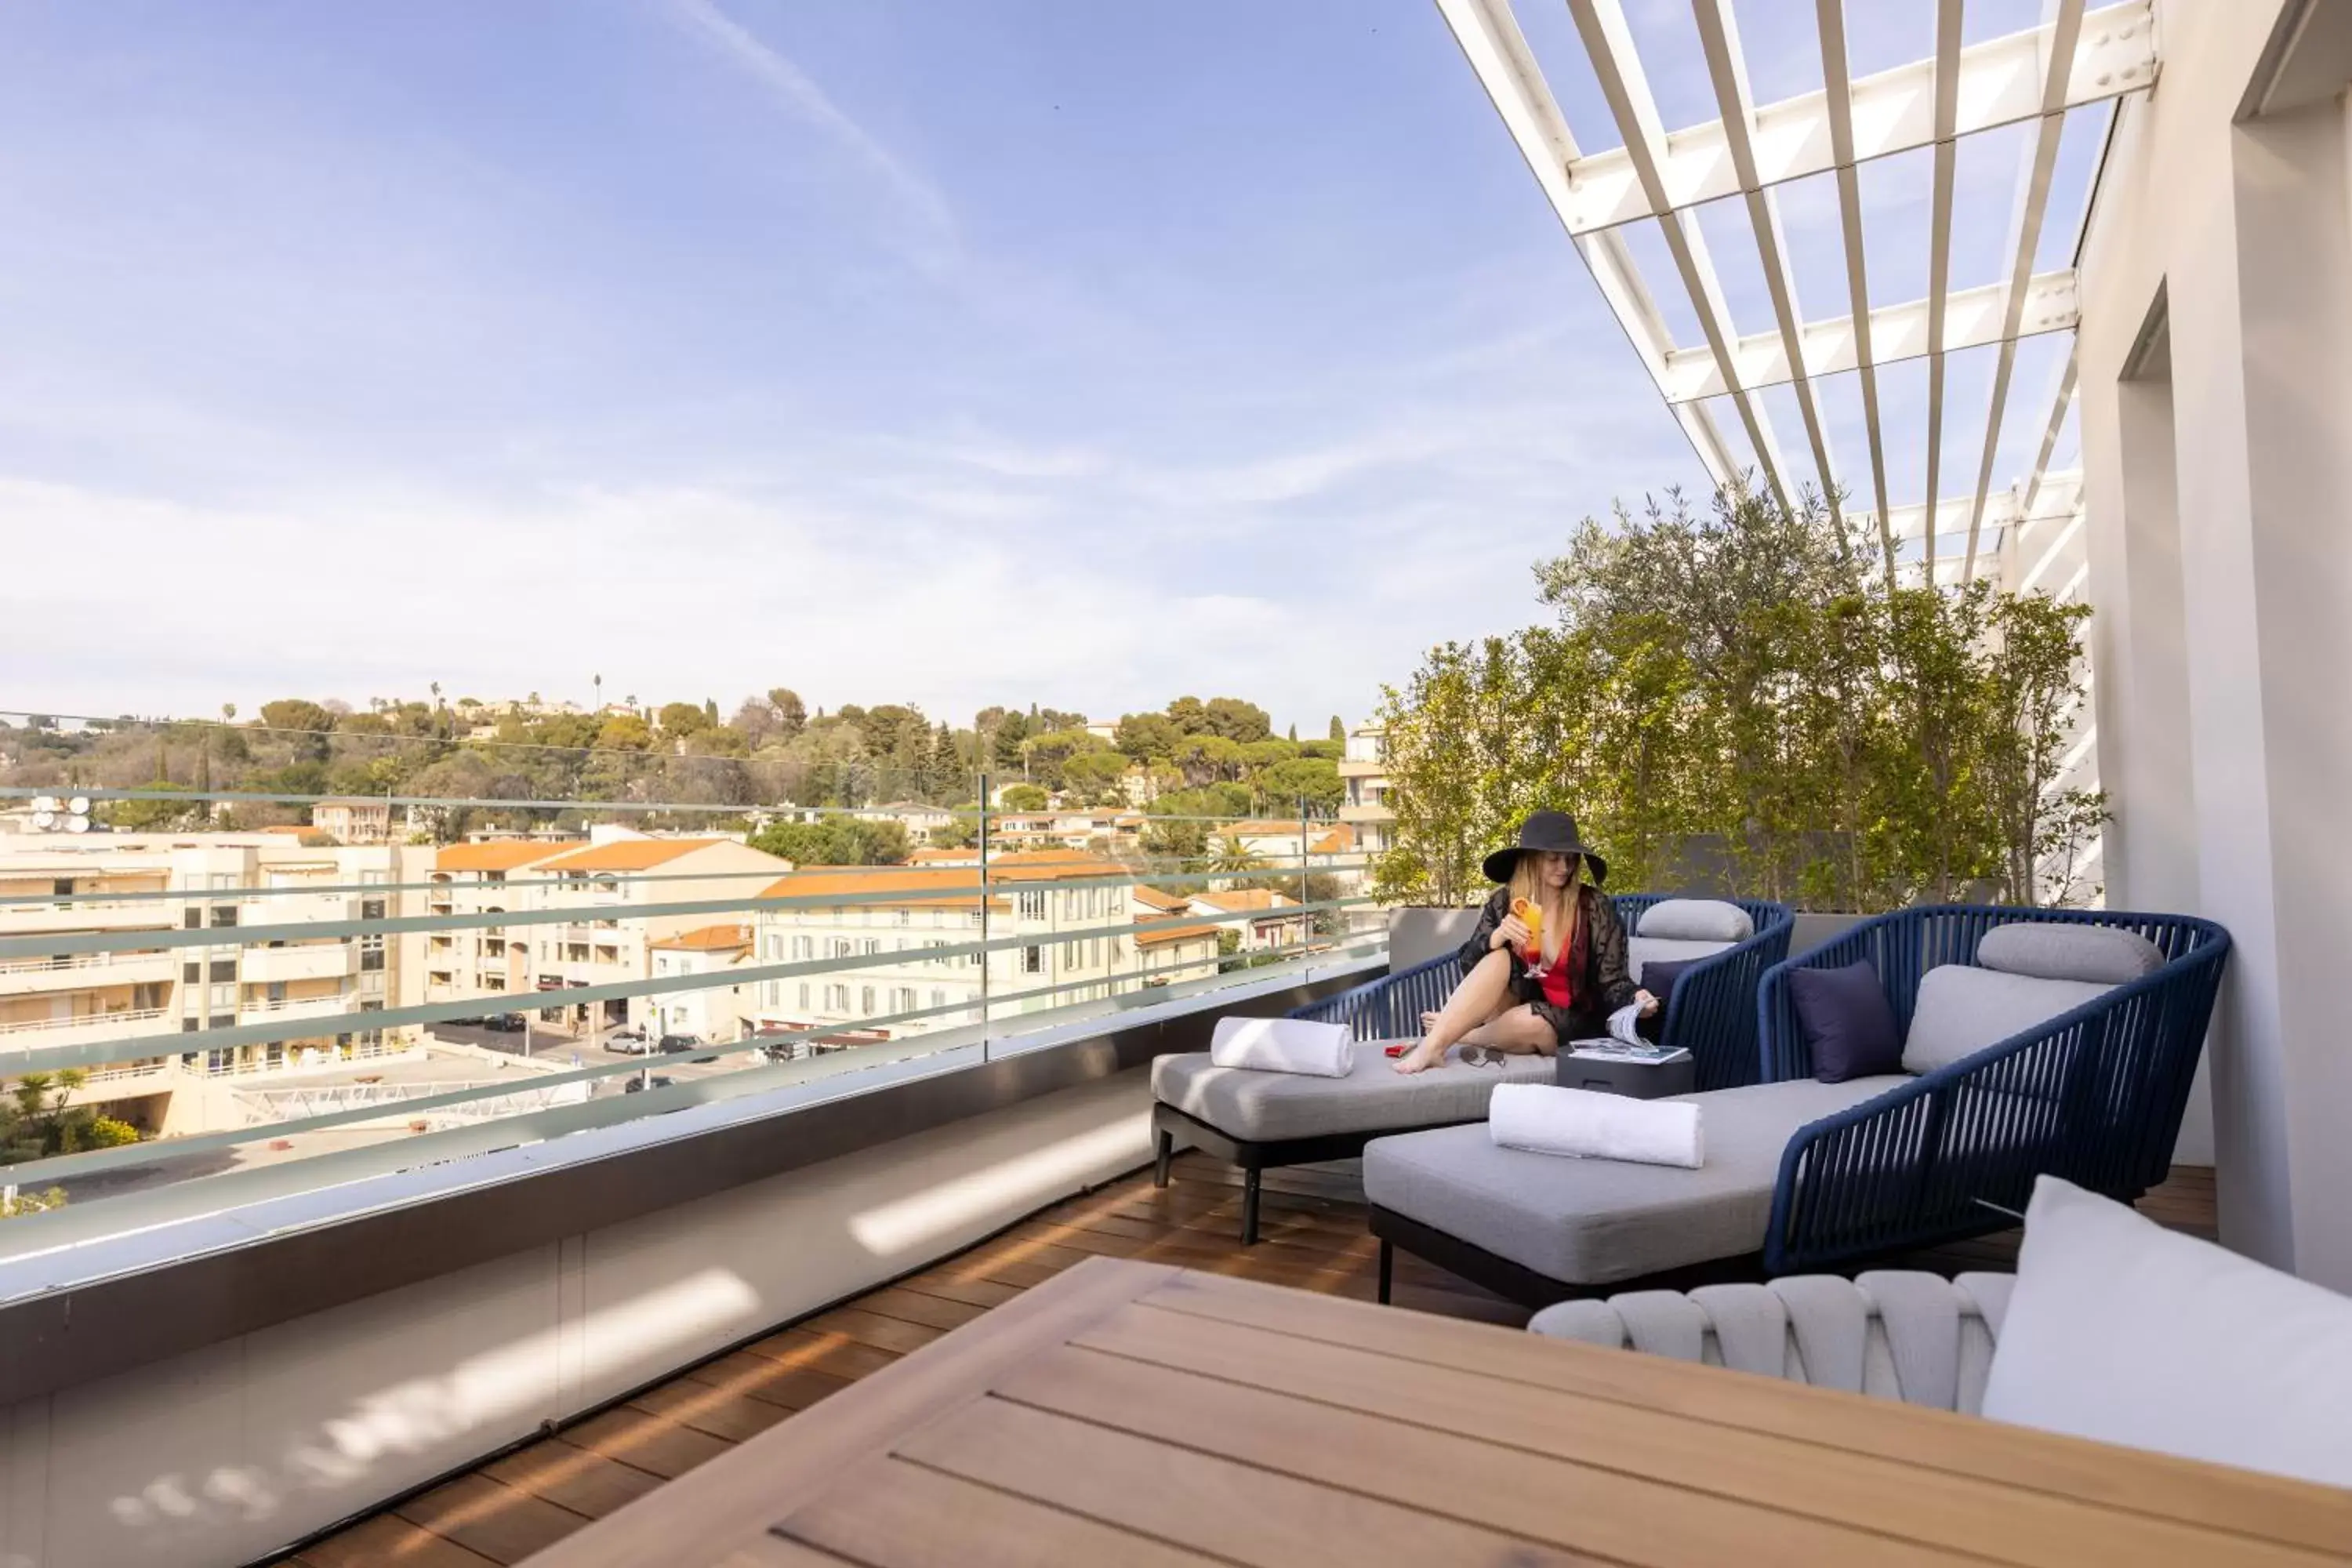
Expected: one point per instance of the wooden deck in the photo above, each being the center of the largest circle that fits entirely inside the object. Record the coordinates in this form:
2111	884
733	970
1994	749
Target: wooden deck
1313	1239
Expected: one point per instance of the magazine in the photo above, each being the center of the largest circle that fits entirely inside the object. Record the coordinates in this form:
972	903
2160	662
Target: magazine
1616	1050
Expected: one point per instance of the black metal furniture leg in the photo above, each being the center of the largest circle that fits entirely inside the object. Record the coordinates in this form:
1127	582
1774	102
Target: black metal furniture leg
1388	1263
1249	1207
1167	1154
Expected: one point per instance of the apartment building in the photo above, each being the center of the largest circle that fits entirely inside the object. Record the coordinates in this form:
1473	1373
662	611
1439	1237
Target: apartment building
611	881
245	889
906	912
1363	770
1267	927
1104	830
486	878
720	1011
353	821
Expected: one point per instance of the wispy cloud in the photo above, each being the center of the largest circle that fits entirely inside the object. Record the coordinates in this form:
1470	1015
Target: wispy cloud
799	94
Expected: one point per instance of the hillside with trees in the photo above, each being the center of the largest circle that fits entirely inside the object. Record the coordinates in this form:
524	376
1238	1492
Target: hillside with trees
1217	756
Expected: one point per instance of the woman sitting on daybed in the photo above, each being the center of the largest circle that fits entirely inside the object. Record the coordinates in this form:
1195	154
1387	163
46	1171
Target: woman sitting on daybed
1509	1005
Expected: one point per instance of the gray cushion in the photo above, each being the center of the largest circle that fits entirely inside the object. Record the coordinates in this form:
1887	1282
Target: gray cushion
1962	1009
1697	919
2053	950
1267	1107
1893	1334
1641	950
1591	1222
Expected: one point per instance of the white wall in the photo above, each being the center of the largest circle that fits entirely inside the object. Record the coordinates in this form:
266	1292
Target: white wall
2218	484
221	1455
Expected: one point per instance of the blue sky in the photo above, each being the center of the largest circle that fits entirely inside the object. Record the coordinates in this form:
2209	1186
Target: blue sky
1084	354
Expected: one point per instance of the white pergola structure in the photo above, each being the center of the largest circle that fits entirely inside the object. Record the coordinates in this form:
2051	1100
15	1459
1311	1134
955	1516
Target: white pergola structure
2027	533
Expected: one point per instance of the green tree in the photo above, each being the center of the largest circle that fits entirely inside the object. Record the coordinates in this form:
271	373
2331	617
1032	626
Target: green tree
833	840
1234	858
680	719
1338	730
1024	797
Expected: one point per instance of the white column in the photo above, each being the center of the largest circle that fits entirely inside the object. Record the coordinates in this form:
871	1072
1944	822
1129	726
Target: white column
2260	289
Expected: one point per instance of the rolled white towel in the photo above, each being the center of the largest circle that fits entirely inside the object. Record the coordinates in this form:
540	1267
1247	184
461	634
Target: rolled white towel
1543	1118
1284	1045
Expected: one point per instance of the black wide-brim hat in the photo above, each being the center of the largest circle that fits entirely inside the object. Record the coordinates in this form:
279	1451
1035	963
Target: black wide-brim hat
1546	830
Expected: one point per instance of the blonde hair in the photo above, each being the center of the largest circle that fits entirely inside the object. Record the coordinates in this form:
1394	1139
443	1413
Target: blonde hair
1560	922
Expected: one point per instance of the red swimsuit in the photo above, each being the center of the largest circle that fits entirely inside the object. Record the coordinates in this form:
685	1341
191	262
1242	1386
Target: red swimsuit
1558	982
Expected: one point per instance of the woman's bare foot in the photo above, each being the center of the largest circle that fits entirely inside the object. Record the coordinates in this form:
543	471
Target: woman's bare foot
1421	1059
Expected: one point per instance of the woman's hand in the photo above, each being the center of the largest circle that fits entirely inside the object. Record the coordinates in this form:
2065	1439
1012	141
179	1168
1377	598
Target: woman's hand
1512	933
1648	1003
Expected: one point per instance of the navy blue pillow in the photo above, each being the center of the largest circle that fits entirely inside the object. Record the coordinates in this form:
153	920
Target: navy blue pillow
1658	978
1849	1028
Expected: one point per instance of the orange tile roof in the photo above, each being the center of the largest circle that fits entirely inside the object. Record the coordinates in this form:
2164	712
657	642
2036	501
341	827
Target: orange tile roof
1171	933
916	882
288	828
933	857
1045	865
630	854
709	939
500	854
1173	903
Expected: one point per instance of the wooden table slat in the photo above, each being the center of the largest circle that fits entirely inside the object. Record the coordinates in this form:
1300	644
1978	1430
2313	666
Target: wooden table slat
1225	1508
899	1515
1703	1461
1627	1519
2243	1501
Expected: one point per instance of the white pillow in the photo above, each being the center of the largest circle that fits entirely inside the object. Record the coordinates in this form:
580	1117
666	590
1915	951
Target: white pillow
2127	1332
1697	919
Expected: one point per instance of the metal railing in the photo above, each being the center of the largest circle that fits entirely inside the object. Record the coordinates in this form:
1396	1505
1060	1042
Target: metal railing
955	961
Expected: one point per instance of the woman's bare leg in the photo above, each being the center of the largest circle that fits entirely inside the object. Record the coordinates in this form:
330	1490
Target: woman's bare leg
1479	997
1518	1031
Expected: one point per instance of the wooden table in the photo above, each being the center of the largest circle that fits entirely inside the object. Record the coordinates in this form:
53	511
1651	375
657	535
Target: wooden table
1132	1414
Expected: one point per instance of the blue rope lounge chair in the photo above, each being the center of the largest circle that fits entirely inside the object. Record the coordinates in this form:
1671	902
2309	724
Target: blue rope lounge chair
1259	1120
2013	1073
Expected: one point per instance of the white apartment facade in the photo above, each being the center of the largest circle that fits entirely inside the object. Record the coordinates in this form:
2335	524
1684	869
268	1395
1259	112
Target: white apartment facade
720	1011
1364	772
234	886
903	913
609	882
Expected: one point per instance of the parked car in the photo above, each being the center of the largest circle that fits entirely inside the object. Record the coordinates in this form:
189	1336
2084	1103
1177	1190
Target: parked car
506	1023
637	1084
630	1045
678	1045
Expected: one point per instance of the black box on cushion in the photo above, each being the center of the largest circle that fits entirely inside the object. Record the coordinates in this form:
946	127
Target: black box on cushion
1633	1079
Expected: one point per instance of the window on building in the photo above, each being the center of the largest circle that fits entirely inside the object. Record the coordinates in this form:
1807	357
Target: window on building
804	994
873	946
372	909
192	973
836	998
1033	960
866	1000
371	959
842	947
224	914
906	916
192	918
938	997
1030	903
902	1000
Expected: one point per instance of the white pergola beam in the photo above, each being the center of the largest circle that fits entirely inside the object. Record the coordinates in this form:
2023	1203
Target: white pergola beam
2062	399
2063	21
1609	42
1499	55
1944	114
2059	496
1727	70
1997	83
1837	101
1972	318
